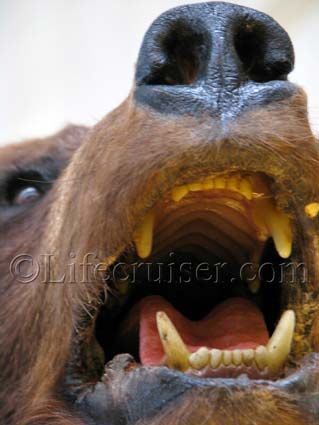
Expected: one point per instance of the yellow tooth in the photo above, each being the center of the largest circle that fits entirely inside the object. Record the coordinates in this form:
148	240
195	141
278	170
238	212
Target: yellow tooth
220	183
248	356
233	183
208	184
143	237
237	357
261	357
200	358
179	192
227	357
246	189
195	187
281	232
278	225
176	351
215	358
279	345
312	209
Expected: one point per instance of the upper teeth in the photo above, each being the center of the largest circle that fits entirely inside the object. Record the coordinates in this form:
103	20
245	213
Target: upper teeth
234	183
273	356
312	210
143	236
269	220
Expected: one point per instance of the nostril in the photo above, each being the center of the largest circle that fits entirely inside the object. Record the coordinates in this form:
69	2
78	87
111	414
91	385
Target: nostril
182	52
262	58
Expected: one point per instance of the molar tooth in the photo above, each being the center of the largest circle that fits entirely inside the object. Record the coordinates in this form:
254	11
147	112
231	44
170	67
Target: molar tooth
237	357
200	358
261	357
279	345
178	193
227	355
248	356
143	237
176	351
312	209
215	358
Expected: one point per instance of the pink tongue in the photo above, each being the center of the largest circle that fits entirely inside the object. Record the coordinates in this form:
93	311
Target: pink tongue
234	324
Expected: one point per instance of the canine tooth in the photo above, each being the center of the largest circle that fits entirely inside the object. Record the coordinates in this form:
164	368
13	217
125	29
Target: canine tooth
200	358
261	357
176	351
281	232
220	183
312	209
279	227
195	187
227	357
143	237
246	189
215	358
237	357
178	193
279	345
248	356
208	184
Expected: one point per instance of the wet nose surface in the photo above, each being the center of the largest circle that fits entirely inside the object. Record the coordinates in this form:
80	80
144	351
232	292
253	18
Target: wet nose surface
213	58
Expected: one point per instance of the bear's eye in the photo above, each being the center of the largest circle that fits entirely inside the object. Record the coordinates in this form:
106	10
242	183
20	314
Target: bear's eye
25	188
26	195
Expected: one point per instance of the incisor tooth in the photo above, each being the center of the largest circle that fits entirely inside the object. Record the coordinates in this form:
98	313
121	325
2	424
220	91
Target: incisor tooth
248	356
195	187
215	358
237	357
233	183
179	192
261	357
143	237
227	357
279	345
220	183
176	351
312	209
200	358
208	184
246	189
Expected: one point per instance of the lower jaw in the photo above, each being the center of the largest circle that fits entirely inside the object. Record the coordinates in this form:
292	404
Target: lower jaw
159	395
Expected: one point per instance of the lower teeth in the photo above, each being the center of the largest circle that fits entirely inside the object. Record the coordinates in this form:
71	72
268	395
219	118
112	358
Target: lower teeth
272	357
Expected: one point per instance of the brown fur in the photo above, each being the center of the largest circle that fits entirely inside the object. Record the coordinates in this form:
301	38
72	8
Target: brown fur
123	164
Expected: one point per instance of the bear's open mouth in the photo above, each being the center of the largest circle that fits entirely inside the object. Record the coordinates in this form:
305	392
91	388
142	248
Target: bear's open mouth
203	286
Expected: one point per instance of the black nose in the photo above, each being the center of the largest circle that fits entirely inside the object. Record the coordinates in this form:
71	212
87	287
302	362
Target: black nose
215	58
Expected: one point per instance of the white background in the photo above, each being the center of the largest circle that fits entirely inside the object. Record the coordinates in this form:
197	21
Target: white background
65	61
